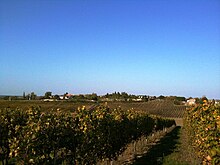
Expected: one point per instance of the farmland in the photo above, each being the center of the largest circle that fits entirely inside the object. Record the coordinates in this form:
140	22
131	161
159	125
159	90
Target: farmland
104	131
85	136
44	106
163	108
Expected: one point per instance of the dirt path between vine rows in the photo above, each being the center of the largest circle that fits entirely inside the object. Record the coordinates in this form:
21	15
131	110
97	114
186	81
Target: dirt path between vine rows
179	121
173	148
164	147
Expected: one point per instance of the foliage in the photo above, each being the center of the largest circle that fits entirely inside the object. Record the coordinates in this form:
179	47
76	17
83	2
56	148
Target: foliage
161	97
84	137
179	98
47	95
33	96
123	96
203	124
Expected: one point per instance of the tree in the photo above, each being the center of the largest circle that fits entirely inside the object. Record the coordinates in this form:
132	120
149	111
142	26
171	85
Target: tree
57	97
94	97
180	98
47	95
28	97
24	95
6	97
81	97
124	95
145	98
161	97
33	96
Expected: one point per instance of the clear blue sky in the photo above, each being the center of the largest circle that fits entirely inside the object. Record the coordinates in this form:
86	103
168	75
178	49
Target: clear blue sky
154	47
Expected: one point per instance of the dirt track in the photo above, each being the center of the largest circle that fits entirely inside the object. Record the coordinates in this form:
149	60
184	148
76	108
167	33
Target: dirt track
179	121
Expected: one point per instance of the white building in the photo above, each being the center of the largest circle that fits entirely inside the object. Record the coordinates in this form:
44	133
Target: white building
191	102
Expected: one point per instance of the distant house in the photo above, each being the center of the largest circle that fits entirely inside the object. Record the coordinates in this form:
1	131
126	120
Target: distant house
138	99
183	102
66	96
61	97
152	98
191	102
69	95
217	102
49	100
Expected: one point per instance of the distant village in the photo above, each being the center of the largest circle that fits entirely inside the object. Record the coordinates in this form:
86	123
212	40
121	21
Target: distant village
116	96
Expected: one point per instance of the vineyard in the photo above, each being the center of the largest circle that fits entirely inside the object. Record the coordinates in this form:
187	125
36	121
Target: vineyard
81	137
64	106
62	133
203	127
163	108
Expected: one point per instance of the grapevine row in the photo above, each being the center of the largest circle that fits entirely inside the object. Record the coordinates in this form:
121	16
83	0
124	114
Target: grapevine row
203	125
164	108
84	137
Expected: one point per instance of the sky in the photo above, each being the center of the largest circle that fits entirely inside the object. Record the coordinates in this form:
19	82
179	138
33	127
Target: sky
152	47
